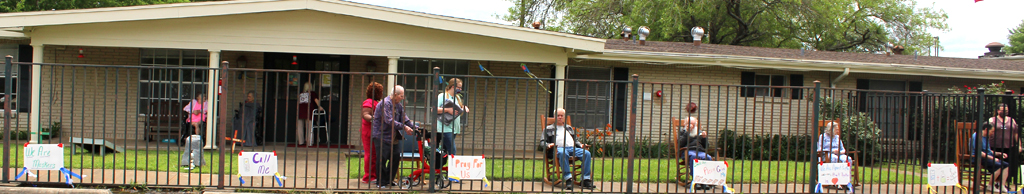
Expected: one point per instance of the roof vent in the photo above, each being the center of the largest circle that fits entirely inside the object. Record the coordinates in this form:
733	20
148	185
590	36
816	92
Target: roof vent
536	25
994	46
697	33
897	50
993	50
643	32
626	33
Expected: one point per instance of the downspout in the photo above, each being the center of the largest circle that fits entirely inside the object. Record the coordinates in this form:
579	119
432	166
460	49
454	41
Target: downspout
840	78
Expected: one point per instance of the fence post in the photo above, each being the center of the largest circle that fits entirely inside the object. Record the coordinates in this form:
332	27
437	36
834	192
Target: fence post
924	120
977	146
221	130
813	172
632	135
429	155
7	116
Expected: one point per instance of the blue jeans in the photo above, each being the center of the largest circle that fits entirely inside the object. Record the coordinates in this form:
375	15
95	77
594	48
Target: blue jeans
448	142
580	153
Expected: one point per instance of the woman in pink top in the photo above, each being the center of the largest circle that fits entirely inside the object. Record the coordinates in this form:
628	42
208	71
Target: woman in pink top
374	93
197	111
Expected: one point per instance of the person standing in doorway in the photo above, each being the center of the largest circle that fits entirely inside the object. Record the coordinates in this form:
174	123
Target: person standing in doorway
305	120
1004	139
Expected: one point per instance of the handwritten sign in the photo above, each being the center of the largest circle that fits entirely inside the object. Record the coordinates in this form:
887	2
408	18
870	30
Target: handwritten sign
467	167
257	164
710	172
834	173
943	175
44	157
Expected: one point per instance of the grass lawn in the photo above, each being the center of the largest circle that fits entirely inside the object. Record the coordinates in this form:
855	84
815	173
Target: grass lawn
166	161
663	170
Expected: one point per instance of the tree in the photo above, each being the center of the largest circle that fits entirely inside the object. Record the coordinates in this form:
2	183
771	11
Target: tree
836	25
7	6
1016	40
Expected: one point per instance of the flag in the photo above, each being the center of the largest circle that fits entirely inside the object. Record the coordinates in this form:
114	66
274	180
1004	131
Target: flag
977	1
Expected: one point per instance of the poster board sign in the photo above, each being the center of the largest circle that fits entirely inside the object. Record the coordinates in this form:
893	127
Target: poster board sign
44	156
834	173
710	172
467	167
943	175
257	163
326	80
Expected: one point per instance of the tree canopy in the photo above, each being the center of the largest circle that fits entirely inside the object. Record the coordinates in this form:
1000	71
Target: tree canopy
7	6
834	25
1016	40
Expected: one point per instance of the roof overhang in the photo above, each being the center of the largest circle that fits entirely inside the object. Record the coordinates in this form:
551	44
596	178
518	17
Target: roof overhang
216	8
803	65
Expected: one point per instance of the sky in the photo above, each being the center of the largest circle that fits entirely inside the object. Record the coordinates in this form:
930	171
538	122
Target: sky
971	25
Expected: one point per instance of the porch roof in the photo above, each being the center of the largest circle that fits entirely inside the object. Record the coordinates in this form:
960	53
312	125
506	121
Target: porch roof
26	21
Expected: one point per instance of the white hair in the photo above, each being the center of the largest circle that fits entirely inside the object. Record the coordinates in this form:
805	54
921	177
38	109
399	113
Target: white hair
693	130
830	128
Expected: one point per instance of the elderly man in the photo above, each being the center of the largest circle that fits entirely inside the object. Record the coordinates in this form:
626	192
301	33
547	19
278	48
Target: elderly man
563	138
388	118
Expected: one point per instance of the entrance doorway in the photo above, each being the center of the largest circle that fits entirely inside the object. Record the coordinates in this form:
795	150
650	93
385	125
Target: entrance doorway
281	91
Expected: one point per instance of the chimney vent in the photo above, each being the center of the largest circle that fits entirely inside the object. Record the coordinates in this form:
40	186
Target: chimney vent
626	33
536	25
697	33
643	32
897	50
993	50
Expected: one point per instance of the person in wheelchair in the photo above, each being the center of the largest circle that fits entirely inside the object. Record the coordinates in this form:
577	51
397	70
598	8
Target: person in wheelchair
563	139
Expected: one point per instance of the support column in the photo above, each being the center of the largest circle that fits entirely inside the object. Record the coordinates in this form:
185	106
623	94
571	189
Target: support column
560	85
392	68
212	98
33	121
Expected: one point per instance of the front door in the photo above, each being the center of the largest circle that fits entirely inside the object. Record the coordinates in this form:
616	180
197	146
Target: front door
282	91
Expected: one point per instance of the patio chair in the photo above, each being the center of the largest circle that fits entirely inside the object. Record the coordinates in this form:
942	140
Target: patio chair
823	155
683	175
552	170
964	159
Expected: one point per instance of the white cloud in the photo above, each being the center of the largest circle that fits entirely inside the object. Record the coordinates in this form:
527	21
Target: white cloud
973	25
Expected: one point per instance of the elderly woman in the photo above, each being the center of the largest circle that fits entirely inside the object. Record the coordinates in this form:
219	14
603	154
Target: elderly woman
374	93
829	141
305	121
197	112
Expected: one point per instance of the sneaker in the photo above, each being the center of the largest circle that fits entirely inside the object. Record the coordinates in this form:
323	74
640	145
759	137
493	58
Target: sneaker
588	184
568	184
996	189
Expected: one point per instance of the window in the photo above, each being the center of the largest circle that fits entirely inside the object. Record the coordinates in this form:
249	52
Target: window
12	50
159	84
417	88
589	103
751	78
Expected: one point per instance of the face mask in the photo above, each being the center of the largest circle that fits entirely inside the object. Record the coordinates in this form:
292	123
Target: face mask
458	91
1002	113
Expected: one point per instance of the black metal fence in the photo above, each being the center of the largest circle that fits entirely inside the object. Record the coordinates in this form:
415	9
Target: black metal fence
767	134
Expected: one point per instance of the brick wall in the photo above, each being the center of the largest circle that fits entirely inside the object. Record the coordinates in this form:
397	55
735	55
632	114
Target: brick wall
91	102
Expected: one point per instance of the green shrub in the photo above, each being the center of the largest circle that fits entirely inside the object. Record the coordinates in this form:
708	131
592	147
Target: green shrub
765	147
17	135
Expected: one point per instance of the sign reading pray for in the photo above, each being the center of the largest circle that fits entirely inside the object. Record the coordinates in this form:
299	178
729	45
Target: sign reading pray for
467	167
44	156
710	172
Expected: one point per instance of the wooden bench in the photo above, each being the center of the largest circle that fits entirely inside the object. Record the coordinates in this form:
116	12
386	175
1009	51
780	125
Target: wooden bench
165	120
